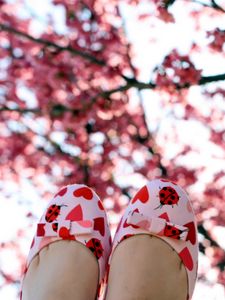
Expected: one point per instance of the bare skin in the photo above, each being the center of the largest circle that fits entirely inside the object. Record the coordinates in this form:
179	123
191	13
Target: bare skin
144	267
63	270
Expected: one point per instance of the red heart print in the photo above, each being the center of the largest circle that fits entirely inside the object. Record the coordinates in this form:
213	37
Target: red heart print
99	225
41	229
76	214
141	195
85	223
126	225
62	192
185	255
165	217
65	234
100	205
191	233
84	192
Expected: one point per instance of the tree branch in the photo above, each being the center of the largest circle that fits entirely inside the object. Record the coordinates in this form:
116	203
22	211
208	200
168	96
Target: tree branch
58	109
48	43
216	6
132	82
167	3
57	147
213	78
213	5
144	140
20	110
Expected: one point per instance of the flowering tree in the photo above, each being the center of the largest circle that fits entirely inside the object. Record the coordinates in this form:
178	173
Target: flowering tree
66	109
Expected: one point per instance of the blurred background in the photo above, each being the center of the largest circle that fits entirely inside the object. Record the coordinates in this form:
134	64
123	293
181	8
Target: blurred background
111	94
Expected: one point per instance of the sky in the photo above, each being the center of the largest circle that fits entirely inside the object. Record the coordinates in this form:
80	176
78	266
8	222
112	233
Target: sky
148	55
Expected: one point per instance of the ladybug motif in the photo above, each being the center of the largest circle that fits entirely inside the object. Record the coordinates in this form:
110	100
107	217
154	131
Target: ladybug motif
126	236
173	232
168	196
55	227
96	247
52	213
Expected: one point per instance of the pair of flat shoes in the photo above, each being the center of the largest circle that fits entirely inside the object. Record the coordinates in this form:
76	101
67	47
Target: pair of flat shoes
160	208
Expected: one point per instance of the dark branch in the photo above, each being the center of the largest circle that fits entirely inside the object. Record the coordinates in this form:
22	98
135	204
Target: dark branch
132	82
203	231
216	6
213	5
202	247
58	109
148	139
57	147
20	110
48	43
86	174
214	78
167	3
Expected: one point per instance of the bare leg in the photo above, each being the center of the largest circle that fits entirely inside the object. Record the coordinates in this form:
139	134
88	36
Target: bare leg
144	267
63	270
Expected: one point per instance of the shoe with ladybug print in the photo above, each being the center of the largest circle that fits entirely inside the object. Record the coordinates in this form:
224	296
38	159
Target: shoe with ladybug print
162	208
75	213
